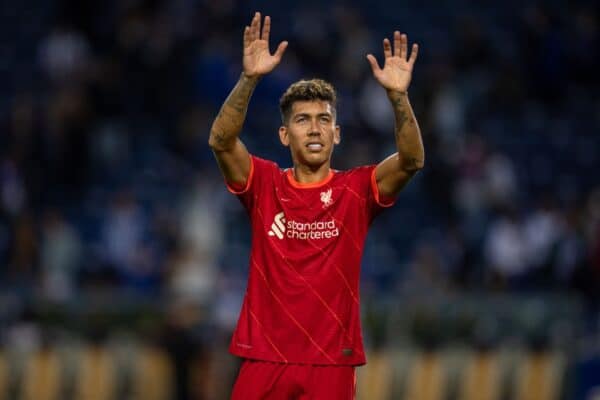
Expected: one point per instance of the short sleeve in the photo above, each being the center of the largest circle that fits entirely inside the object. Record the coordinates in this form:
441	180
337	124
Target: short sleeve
363	183
260	172
380	200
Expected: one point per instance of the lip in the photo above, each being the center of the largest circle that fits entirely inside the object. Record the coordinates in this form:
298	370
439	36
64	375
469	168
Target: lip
315	146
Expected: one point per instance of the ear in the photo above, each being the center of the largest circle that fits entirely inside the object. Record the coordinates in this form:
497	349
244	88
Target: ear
337	138
283	136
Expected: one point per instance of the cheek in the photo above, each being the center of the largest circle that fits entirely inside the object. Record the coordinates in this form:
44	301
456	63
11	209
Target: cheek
332	134
294	138
295	141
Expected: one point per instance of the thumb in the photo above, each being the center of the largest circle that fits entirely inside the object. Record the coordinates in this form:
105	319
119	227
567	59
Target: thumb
373	62
280	49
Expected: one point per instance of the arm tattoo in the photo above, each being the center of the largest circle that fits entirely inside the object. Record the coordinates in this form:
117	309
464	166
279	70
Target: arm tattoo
239	99
228	123
407	132
401	119
219	137
413	163
402	111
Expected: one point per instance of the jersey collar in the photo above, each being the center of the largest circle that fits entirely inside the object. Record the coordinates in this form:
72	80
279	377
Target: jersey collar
299	185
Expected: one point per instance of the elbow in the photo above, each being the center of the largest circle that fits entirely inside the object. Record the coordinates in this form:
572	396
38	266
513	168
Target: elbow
420	163
212	143
217	141
413	165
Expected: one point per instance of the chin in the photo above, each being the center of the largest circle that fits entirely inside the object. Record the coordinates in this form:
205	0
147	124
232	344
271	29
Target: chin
315	161
312	160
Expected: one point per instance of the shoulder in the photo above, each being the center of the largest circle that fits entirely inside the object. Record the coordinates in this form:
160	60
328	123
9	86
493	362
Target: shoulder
262	171
263	162
263	165
363	172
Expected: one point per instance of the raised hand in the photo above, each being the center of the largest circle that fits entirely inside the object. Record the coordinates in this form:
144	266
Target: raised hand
258	60
397	70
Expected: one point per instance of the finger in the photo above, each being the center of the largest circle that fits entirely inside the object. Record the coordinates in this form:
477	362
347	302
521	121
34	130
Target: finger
373	62
255	27
396	43
246	36
280	49
266	30
403	44
413	54
387	48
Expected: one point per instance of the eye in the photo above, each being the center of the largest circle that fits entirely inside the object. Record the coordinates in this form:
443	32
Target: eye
325	119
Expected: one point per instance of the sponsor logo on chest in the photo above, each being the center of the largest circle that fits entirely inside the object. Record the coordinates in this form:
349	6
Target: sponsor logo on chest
284	228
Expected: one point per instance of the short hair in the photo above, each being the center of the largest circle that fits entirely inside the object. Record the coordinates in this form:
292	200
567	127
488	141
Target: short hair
306	90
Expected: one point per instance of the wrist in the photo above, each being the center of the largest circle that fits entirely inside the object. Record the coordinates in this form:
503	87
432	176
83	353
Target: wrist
395	93
250	78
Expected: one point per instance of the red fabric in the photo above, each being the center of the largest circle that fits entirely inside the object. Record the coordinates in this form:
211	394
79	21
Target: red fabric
302	302
277	381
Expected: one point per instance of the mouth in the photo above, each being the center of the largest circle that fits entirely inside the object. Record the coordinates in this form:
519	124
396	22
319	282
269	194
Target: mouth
314	146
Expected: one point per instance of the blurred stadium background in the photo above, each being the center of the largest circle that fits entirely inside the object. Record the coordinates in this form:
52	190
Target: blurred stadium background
123	258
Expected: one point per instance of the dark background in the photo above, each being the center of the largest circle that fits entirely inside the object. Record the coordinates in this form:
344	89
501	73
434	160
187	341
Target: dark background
117	233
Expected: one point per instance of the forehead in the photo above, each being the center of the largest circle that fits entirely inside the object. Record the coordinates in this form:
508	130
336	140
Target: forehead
311	107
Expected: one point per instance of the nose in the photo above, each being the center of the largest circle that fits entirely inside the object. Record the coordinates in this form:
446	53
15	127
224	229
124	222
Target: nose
314	128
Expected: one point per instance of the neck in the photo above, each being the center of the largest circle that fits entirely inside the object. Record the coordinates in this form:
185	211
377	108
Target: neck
306	174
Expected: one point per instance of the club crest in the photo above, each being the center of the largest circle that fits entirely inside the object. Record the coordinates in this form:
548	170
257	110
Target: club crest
326	198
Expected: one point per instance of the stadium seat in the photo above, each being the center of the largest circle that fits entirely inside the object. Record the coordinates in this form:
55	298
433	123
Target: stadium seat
152	375
375	382
539	377
426	378
481	377
4	376
96	378
43	376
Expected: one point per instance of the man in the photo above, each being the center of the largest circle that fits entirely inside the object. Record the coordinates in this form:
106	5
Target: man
299	329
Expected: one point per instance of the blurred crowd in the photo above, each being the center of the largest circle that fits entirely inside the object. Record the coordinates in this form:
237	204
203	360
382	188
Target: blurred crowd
107	184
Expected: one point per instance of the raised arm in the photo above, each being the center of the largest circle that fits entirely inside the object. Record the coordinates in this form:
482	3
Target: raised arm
395	76
230	152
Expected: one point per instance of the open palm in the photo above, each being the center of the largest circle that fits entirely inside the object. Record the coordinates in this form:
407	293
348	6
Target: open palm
257	59
397	69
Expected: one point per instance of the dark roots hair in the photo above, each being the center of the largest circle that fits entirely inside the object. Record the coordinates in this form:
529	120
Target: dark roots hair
306	90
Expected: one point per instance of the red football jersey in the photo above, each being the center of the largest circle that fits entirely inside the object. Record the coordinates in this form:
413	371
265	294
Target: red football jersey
302	300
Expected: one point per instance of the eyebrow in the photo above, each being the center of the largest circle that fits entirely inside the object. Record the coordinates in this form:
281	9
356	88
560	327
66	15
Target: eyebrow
321	114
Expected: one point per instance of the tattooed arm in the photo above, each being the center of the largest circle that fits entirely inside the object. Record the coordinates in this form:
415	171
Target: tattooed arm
230	152
395	171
